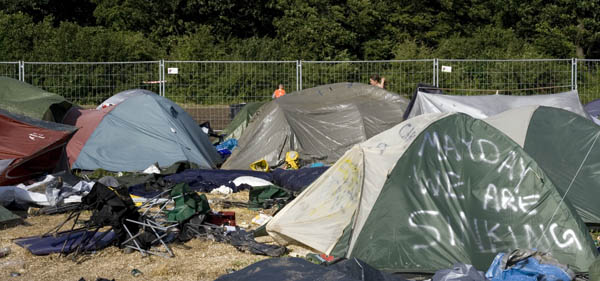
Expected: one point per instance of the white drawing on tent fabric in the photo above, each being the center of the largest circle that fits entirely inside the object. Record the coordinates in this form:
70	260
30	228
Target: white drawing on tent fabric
33	136
486	234
506	200
407	132
436	232
442	183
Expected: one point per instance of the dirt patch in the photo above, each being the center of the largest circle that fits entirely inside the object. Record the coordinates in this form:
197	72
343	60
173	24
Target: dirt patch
195	260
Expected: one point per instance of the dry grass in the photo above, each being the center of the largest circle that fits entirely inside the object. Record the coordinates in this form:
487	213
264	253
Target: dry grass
197	260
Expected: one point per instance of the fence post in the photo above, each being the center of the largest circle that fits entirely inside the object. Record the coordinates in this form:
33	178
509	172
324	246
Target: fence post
298	75
22	71
161	78
436	78
574	74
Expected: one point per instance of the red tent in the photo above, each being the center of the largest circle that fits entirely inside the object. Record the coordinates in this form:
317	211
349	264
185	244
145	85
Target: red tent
30	147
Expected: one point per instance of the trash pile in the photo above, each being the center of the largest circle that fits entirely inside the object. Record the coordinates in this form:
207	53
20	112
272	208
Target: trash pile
371	185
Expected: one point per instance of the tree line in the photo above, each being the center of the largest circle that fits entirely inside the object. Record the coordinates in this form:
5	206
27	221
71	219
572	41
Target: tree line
138	30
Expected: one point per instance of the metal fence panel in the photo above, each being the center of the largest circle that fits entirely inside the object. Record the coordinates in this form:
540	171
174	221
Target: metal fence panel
588	80
90	83
210	90
516	77
9	69
401	76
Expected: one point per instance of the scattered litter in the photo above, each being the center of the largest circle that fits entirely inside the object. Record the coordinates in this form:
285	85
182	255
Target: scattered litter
221	218
261	219
135	272
153	169
15	274
251	181
225	190
4	252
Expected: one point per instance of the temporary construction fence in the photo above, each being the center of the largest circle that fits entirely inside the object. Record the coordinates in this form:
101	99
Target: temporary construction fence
213	90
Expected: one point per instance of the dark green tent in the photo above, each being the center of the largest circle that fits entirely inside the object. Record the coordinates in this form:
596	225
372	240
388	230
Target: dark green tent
240	122
432	191
22	98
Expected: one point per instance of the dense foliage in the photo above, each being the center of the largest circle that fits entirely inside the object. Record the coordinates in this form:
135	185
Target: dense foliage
137	30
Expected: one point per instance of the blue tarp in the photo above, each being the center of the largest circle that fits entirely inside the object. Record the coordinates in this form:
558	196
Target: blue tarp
297	180
39	245
527	269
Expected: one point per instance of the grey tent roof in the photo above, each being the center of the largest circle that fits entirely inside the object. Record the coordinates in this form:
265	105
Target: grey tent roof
320	123
487	105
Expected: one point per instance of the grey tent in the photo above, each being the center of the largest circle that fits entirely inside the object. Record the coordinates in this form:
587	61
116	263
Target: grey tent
487	105
136	129
320	123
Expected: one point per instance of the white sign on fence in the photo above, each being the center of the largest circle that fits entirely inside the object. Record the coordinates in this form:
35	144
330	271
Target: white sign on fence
172	70
446	68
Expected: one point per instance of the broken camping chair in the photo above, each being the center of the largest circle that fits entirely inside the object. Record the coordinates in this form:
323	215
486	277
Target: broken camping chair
110	209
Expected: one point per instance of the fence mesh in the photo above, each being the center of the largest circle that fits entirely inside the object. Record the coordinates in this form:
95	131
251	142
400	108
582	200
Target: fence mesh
88	84
9	69
588	80
400	76
213	91
509	77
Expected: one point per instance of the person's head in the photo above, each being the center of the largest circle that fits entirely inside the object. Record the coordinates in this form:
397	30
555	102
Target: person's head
280	86
374	80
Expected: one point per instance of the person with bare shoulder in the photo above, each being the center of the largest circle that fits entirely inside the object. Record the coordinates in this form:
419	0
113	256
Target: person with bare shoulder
377	81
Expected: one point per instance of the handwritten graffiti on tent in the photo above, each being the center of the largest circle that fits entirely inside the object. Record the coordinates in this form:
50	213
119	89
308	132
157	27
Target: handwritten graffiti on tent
432	191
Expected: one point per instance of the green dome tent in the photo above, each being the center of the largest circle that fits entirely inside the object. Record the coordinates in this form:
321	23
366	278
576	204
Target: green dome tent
432	191
22	98
236	127
565	146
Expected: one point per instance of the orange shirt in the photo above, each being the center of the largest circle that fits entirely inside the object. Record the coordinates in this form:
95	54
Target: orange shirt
278	93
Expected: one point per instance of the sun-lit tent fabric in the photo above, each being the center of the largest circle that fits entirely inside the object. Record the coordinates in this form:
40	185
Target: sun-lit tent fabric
483	106
319	123
565	145
432	191
136	132
24	99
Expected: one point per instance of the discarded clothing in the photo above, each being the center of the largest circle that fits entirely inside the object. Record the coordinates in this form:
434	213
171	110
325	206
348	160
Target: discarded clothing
187	203
229	144
44	245
302	270
268	196
459	272
297	180
244	241
527	265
